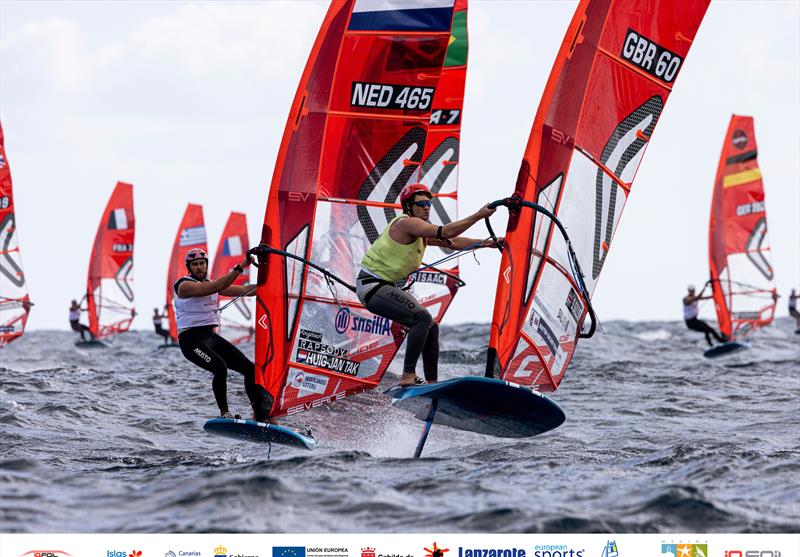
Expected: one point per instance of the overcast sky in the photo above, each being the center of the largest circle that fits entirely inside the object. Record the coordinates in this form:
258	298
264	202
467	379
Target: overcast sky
188	102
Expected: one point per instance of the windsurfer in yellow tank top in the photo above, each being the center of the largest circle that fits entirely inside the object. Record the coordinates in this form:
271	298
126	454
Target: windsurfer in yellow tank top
397	253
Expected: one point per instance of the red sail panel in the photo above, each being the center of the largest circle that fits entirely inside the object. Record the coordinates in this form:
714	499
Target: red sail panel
440	169
356	135
236	321
612	76
191	234
742	276
109	289
15	303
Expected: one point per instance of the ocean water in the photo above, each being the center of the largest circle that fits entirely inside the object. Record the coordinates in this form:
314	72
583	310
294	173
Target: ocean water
657	439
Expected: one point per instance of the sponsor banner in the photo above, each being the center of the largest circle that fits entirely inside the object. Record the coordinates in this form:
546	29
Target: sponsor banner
399	545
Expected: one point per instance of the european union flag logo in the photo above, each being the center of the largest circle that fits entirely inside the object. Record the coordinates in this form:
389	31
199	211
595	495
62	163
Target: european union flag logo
288	552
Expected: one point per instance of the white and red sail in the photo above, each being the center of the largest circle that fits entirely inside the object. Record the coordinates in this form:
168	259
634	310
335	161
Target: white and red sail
361	127
109	286
606	91
15	303
236	321
742	277
191	234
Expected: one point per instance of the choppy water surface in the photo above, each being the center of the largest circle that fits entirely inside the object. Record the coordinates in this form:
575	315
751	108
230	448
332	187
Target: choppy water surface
656	439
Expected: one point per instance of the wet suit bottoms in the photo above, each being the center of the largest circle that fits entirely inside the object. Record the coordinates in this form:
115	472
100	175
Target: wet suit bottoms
160	331
203	347
385	299
697	325
79	327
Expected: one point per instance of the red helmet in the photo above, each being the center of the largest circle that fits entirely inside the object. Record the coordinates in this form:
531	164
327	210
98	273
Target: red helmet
195	253
410	190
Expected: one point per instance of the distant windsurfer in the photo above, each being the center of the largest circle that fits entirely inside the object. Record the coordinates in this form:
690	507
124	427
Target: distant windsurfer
793	309
196	313
157	317
690	312
398	252
75	310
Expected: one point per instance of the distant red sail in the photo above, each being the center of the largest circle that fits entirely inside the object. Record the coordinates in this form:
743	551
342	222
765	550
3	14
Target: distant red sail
109	290
236	321
360	129
191	234
15	303
742	277
606	91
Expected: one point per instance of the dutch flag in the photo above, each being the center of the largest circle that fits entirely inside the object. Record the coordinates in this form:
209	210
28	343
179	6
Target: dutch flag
402	15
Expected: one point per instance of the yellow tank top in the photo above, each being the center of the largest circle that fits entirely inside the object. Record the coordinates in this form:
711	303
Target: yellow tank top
391	260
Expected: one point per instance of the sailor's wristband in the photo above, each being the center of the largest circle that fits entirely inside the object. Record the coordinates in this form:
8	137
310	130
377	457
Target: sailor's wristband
238	268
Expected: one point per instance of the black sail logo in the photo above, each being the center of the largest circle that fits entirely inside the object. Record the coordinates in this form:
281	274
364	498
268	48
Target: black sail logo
391	174
739	139
621	155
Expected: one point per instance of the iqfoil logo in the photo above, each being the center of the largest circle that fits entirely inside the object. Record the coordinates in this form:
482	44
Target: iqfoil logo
557	551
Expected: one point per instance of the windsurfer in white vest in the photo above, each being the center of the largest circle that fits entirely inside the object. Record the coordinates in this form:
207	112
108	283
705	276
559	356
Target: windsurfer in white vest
793	309
197	314
75	310
398	252
157	317
690	312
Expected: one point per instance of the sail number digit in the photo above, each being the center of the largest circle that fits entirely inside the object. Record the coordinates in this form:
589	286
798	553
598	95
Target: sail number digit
445	117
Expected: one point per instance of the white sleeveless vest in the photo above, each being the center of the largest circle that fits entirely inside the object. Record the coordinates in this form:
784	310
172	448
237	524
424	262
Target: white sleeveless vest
690	311
199	311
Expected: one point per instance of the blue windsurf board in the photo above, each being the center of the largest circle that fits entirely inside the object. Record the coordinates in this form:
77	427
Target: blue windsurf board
259	432
725	349
483	405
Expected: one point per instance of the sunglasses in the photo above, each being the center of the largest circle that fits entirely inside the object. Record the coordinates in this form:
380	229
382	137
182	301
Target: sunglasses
422	203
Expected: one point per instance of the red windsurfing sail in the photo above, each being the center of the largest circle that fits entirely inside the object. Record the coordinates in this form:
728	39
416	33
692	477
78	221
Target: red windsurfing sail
236	321
742	277
191	234
609	84
109	288
15	303
359	131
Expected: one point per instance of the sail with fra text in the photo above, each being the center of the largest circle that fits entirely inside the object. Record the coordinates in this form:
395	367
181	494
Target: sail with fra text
109	285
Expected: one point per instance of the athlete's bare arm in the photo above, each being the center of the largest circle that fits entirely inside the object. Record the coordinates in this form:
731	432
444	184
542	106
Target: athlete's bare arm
235	290
462	242
190	289
405	231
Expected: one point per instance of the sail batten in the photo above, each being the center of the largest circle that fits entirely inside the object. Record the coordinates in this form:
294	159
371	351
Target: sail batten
378	107
606	92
